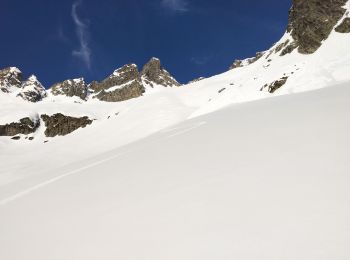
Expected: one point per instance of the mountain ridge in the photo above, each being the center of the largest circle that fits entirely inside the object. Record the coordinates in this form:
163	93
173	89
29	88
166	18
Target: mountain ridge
285	68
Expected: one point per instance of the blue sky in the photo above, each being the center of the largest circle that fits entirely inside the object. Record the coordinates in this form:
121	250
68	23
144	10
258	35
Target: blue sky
57	40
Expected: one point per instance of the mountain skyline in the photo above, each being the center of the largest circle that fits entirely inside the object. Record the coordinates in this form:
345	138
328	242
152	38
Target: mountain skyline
90	40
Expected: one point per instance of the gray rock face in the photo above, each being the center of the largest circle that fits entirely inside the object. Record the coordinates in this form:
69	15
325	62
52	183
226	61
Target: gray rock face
123	84
153	73
344	27
131	90
32	90
71	88
127	82
25	126
311	22
10	77
119	77
59	124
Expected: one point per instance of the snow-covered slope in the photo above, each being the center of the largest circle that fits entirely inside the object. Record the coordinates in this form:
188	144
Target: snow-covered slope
261	180
198	171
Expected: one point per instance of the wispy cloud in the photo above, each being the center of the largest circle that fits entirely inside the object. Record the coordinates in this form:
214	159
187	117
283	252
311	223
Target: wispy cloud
180	6
84	51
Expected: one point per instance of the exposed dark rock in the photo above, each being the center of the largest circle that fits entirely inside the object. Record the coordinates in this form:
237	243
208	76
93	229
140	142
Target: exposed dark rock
10	77
196	80
25	126
258	55
16	137
311	22
221	90
71	88
32	90
133	90
236	64
291	47
119	77
344	27
59	124
123	84
275	85
242	63
281	46
153	73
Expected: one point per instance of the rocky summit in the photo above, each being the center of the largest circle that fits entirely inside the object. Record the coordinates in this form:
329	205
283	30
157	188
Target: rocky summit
32	90
127	82
71	88
10	77
123	84
154	74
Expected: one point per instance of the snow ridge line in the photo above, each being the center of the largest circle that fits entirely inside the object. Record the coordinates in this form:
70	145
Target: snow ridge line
48	182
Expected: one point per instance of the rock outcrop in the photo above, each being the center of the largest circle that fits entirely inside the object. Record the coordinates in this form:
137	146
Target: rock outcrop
242	63
127	82
196	80
154	74
25	126
123	84
274	86
311	22
10	77
32	90
344	27
60	125
71	88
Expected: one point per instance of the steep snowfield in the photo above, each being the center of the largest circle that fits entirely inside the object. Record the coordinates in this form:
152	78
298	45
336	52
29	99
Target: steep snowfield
261	180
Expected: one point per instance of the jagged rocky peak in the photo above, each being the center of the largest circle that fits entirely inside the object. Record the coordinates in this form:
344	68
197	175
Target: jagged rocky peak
154	74
311	22
10	77
71	88
123	84
32	90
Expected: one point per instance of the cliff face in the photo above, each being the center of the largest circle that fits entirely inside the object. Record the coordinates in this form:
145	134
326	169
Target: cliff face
71	88
154	73
311	22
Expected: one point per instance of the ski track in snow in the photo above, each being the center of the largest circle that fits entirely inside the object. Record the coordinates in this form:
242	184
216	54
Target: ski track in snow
55	179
